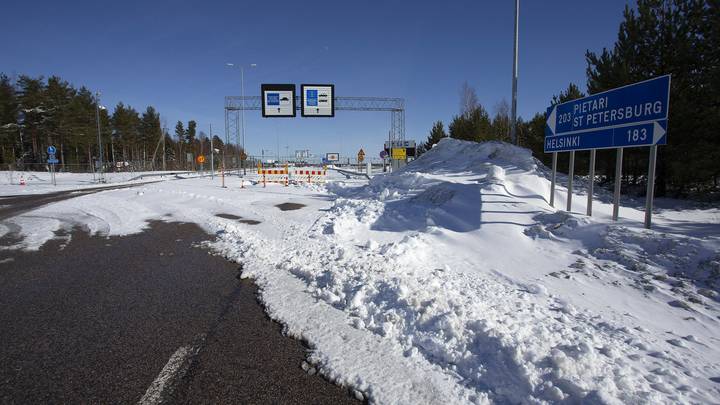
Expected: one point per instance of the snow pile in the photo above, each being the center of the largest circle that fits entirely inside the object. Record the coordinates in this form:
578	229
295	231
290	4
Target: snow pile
454	281
459	259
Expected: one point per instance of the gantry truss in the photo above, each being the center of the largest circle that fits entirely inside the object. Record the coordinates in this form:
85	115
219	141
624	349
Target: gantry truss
234	105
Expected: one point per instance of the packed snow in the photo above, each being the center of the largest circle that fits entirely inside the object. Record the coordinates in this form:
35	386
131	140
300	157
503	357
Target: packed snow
453	280
37	182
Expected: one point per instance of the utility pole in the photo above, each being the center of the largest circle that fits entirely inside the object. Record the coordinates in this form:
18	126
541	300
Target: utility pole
513	118
100	150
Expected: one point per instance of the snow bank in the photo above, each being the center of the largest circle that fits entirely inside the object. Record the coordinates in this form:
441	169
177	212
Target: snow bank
454	281
476	273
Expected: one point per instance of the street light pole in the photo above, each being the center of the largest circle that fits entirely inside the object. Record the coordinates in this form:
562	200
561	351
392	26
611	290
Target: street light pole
100	150
513	118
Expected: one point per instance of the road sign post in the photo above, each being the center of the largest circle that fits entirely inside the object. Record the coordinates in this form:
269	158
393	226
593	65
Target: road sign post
650	187
212	156
201	160
618	183
552	179
571	175
630	116
591	182
52	161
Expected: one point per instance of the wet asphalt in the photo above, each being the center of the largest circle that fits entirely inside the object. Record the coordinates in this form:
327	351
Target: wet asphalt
96	319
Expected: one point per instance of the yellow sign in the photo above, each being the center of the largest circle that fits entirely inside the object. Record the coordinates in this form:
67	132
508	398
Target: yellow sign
361	156
398	153
201	159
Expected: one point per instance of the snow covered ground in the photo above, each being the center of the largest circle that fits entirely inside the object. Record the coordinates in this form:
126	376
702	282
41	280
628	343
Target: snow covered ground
41	182
454	281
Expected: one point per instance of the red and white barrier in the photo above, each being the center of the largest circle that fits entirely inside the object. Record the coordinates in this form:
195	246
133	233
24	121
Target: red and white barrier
278	176
309	175
285	175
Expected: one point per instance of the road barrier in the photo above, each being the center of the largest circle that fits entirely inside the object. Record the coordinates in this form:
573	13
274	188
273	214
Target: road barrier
274	175
285	176
309	175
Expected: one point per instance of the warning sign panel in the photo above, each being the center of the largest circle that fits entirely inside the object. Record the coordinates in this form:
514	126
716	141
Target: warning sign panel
399	153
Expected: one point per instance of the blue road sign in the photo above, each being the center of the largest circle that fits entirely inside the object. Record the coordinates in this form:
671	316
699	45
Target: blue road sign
52	160
273	99
312	97
51	150
633	115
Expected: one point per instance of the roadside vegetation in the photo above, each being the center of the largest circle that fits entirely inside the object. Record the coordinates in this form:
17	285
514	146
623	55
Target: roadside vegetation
655	38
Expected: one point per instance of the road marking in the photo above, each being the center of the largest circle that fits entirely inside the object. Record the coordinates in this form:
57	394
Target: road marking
174	369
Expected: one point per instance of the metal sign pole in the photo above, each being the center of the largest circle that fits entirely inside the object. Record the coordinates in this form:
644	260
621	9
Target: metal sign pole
212	156
618	178
591	185
552	179
650	187
571	174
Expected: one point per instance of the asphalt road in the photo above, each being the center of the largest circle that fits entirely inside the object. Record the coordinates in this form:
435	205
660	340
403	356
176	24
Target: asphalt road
149	318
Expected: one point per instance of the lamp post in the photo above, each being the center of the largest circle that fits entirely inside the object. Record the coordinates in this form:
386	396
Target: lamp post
513	118
242	110
100	149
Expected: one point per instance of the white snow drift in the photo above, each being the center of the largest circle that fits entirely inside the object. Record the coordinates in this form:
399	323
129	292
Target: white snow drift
454	281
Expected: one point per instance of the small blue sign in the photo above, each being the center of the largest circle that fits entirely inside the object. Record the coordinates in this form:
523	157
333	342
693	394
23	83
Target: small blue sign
311	97
273	98
51	150
53	161
633	115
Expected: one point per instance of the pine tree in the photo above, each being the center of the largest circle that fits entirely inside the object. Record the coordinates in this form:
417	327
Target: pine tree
501	122
33	114
9	129
475	125
190	132
59	95
675	37
180	134
81	127
437	133
191	138
149	131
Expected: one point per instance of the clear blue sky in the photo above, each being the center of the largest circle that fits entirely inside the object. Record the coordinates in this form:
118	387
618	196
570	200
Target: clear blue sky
172	55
